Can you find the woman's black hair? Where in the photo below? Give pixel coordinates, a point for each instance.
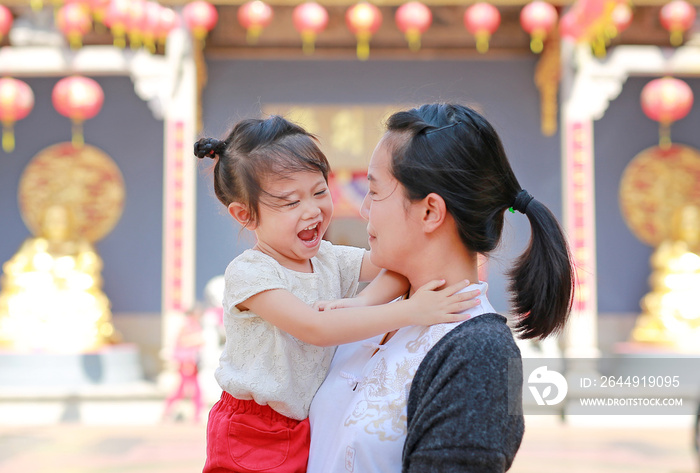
(453, 151)
(255, 149)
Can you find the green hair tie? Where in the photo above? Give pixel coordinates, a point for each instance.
(510, 209)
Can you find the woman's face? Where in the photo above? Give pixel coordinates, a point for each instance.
(388, 213)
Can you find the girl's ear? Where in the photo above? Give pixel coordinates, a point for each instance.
(240, 213)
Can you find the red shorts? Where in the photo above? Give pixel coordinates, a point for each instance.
(245, 437)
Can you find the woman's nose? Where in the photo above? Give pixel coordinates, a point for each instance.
(364, 209)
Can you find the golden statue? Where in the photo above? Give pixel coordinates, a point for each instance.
(51, 298)
(671, 314)
(660, 201)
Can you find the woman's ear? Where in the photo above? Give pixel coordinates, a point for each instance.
(434, 212)
(240, 213)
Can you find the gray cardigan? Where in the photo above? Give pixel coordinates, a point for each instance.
(465, 405)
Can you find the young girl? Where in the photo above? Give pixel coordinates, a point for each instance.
(273, 179)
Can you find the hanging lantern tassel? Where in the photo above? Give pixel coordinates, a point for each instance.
(413, 19)
(664, 135)
(119, 33)
(116, 18)
(363, 19)
(482, 41)
(363, 38)
(538, 18)
(309, 19)
(254, 16)
(200, 17)
(8, 137)
(200, 35)
(413, 38)
(77, 138)
(482, 20)
(308, 41)
(537, 41)
(135, 23)
(253, 33)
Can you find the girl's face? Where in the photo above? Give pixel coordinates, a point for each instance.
(388, 213)
(294, 215)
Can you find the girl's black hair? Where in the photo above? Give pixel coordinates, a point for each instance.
(453, 151)
(255, 149)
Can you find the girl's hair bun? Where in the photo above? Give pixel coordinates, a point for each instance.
(209, 148)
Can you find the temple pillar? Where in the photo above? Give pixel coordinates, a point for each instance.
(179, 190)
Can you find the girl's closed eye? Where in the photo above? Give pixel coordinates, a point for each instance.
(292, 204)
(321, 192)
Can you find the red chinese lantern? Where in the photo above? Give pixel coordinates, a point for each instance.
(99, 10)
(168, 21)
(363, 20)
(16, 101)
(200, 18)
(254, 17)
(666, 100)
(78, 98)
(309, 19)
(677, 16)
(136, 23)
(74, 21)
(151, 24)
(482, 20)
(413, 19)
(5, 21)
(116, 20)
(621, 18)
(538, 18)
(570, 27)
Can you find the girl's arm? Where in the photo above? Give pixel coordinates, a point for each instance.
(385, 286)
(428, 306)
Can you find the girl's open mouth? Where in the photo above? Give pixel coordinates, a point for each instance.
(309, 235)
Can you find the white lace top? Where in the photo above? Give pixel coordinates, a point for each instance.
(358, 417)
(262, 362)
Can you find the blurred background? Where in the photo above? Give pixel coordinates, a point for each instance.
(113, 244)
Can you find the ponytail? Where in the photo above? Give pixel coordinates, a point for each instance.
(542, 279)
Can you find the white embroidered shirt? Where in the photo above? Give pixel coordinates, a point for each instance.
(358, 416)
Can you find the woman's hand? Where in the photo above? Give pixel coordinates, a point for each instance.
(433, 303)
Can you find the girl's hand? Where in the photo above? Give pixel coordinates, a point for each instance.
(339, 304)
(434, 304)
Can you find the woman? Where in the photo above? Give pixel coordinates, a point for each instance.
(446, 397)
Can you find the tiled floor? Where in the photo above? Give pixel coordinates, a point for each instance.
(549, 446)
